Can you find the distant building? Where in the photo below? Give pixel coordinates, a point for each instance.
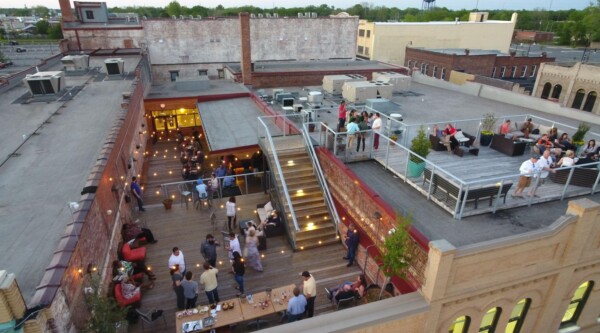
(387, 41)
(533, 36)
(576, 87)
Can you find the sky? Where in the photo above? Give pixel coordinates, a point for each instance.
(451, 4)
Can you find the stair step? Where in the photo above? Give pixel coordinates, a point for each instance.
(303, 206)
(305, 187)
(311, 245)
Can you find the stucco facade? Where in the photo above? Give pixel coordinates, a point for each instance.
(576, 87)
(386, 42)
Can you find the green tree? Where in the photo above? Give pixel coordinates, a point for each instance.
(42, 27)
(174, 8)
(106, 315)
(40, 11)
(55, 32)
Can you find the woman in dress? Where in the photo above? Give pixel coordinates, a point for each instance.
(230, 206)
(176, 277)
(252, 254)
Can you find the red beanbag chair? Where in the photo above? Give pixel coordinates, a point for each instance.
(132, 255)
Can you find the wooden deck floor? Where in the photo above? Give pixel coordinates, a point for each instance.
(187, 228)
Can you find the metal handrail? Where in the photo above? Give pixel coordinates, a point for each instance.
(317, 167)
(278, 167)
(165, 186)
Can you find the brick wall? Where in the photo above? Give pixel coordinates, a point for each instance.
(357, 203)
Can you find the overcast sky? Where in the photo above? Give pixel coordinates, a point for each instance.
(451, 4)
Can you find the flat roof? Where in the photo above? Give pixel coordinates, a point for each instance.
(230, 123)
(216, 87)
(315, 65)
(427, 104)
(47, 152)
(460, 51)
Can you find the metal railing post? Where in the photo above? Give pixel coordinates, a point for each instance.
(597, 180)
(562, 197)
(498, 196)
(387, 154)
(431, 177)
(463, 199)
(458, 202)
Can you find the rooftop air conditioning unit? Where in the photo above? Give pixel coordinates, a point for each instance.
(45, 83)
(300, 15)
(76, 62)
(252, 15)
(260, 15)
(114, 66)
(275, 15)
(268, 15)
(313, 15)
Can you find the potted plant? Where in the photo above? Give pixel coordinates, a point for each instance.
(168, 203)
(420, 145)
(579, 136)
(488, 123)
(396, 258)
(394, 137)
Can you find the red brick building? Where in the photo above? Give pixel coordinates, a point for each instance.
(533, 36)
(439, 63)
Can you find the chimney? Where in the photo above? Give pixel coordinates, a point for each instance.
(65, 10)
(467, 52)
(246, 54)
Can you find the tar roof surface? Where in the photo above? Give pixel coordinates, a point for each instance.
(49, 168)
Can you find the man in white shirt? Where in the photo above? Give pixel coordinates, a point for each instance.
(177, 258)
(234, 246)
(543, 169)
(309, 289)
(376, 129)
(527, 170)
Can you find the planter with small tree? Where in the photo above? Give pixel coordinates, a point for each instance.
(105, 314)
(420, 145)
(579, 136)
(396, 258)
(488, 123)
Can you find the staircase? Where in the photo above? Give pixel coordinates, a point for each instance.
(314, 220)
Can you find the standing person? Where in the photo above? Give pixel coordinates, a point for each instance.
(137, 192)
(376, 130)
(176, 277)
(527, 169)
(362, 136)
(177, 258)
(252, 255)
(209, 280)
(341, 116)
(190, 290)
(231, 215)
(239, 269)
(309, 289)
(234, 246)
(351, 131)
(352, 244)
(296, 306)
(208, 249)
(213, 185)
(543, 165)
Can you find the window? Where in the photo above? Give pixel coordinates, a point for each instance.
(546, 91)
(490, 320)
(221, 73)
(590, 101)
(524, 71)
(408, 64)
(203, 72)
(577, 303)
(174, 75)
(533, 70)
(443, 76)
(578, 100)
(368, 33)
(361, 33)
(366, 51)
(494, 71)
(502, 71)
(460, 325)
(360, 49)
(556, 92)
(517, 316)
(89, 14)
(434, 74)
(424, 69)
(513, 71)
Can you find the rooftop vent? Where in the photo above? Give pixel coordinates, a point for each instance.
(114, 66)
(45, 83)
(76, 62)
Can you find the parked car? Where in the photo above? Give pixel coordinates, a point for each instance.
(20, 49)
(14, 42)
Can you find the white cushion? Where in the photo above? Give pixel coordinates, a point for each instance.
(268, 207)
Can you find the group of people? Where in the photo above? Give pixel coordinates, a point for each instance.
(447, 136)
(357, 126)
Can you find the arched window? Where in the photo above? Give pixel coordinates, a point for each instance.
(556, 92)
(577, 304)
(490, 320)
(578, 100)
(460, 325)
(517, 316)
(546, 91)
(590, 101)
